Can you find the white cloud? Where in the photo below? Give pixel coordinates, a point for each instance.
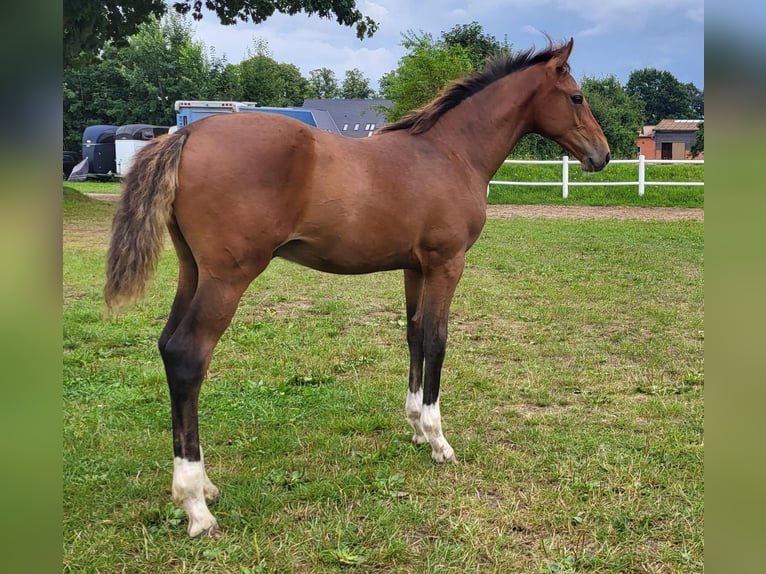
(531, 30)
(459, 14)
(373, 10)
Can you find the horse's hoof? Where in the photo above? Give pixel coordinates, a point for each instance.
(212, 531)
(444, 457)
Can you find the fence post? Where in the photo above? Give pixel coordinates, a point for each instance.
(565, 176)
(641, 173)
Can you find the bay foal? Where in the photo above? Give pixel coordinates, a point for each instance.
(236, 190)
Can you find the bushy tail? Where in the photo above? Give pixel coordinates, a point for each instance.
(139, 224)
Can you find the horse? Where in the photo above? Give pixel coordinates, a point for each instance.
(236, 190)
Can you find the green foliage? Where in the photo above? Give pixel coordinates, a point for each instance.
(90, 26)
(699, 140)
(345, 12)
(696, 102)
(269, 83)
(619, 114)
(478, 44)
(535, 146)
(430, 64)
(356, 85)
(323, 84)
(422, 73)
(139, 83)
(664, 97)
(161, 63)
(94, 94)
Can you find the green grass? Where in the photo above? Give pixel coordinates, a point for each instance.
(92, 186)
(654, 196)
(572, 393)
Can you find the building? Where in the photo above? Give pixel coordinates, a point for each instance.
(645, 142)
(669, 139)
(354, 118)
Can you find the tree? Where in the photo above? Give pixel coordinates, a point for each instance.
(269, 83)
(663, 95)
(138, 82)
(356, 86)
(323, 84)
(697, 101)
(89, 26)
(535, 146)
(293, 87)
(620, 115)
(699, 140)
(422, 73)
(478, 44)
(92, 94)
(162, 64)
(430, 64)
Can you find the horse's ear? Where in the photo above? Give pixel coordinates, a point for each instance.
(559, 61)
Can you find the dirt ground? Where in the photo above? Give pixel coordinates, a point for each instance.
(589, 212)
(566, 211)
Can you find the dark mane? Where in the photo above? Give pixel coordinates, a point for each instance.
(495, 67)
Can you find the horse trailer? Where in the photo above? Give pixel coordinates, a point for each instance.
(98, 148)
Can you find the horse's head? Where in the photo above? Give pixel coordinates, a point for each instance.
(563, 115)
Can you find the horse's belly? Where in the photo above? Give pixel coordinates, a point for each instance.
(345, 259)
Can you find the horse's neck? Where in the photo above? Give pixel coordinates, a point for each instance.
(486, 127)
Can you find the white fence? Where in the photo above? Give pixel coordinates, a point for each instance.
(565, 184)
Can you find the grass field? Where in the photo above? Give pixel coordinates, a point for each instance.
(572, 393)
(664, 196)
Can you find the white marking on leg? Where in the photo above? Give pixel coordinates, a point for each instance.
(189, 493)
(431, 421)
(211, 490)
(413, 407)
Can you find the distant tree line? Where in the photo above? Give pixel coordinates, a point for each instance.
(139, 79)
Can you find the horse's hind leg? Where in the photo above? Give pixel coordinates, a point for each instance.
(188, 275)
(413, 289)
(186, 354)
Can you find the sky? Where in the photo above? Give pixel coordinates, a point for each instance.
(611, 37)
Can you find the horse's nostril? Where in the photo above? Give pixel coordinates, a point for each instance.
(608, 157)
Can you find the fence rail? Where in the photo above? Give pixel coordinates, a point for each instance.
(565, 184)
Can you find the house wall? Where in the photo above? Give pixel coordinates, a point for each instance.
(675, 138)
(646, 147)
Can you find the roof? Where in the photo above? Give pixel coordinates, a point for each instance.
(355, 118)
(647, 132)
(324, 121)
(318, 118)
(677, 125)
(100, 133)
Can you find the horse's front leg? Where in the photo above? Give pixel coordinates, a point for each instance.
(438, 290)
(413, 290)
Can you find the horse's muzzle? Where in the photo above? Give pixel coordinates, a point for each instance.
(596, 164)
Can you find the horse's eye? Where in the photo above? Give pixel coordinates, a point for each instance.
(577, 99)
